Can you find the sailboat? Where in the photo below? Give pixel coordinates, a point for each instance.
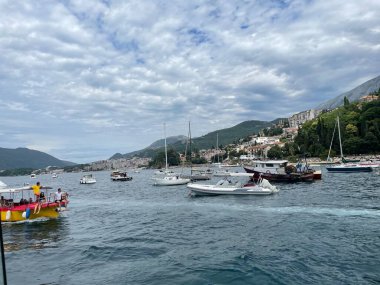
(344, 166)
(195, 175)
(169, 179)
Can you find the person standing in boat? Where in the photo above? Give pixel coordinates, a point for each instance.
(58, 198)
(39, 197)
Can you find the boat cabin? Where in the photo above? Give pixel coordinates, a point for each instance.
(270, 166)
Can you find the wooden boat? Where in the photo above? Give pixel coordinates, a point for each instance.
(120, 176)
(16, 204)
(280, 171)
(285, 177)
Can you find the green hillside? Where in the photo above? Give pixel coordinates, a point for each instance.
(360, 130)
(28, 158)
(225, 137)
(229, 135)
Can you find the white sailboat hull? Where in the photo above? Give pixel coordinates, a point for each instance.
(170, 181)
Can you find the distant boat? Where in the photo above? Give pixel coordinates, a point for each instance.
(345, 167)
(120, 176)
(33, 175)
(54, 175)
(195, 174)
(87, 179)
(2, 184)
(172, 179)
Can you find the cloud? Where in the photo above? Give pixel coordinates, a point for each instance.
(102, 77)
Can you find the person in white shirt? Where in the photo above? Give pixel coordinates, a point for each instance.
(58, 197)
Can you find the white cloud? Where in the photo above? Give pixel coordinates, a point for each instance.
(79, 72)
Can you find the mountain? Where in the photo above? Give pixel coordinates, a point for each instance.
(28, 158)
(151, 150)
(353, 95)
(169, 140)
(225, 136)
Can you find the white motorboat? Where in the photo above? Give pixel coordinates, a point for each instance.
(33, 175)
(54, 175)
(2, 184)
(87, 179)
(227, 187)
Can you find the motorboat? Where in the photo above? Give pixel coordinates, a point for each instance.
(2, 184)
(120, 176)
(87, 179)
(33, 175)
(170, 180)
(228, 187)
(54, 175)
(17, 204)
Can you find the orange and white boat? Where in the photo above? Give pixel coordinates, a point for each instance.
(17, 204)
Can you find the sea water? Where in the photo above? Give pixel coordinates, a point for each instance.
(325, 232)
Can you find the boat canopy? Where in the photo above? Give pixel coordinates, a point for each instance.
(277, 162)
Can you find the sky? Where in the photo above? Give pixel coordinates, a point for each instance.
(82, 80)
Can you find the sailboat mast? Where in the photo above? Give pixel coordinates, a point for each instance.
(340, 139)
(217, 146)
(191, 165)
(328, 156)
(166, 150)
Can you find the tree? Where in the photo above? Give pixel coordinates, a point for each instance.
(351, 130)
(275, 153)
(353, 145)
(346, 102)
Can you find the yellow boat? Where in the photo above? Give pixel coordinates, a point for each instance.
(19, 205)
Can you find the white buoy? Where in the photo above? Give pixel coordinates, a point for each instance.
(8, 215)
(24, 215)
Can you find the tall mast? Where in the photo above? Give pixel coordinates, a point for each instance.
(217, 146)
(328, 156)
(166, 150)
(340, 139)
(191, 165)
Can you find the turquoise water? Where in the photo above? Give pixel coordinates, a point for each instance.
(326, 232)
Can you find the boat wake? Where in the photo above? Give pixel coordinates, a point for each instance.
(325, 211)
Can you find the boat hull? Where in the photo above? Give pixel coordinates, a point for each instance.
(347, 169)
(121, 178)
(49, 210)
(274, 177)
(203, 190)
(169, 181)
